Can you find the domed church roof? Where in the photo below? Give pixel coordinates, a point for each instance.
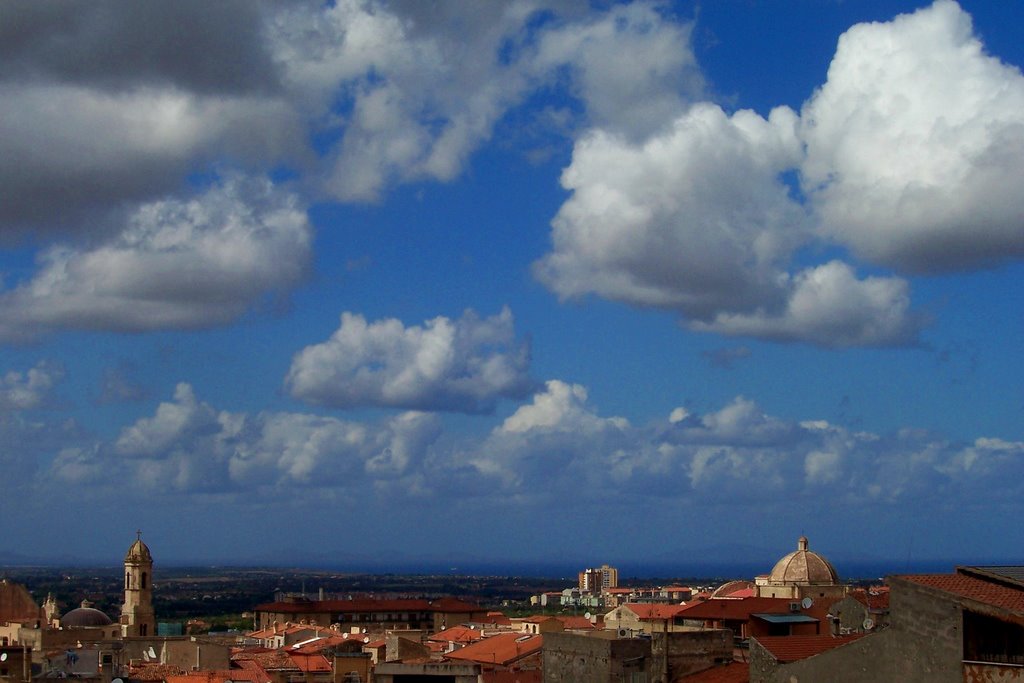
(803, 566)
(138, 552)
(85, 616)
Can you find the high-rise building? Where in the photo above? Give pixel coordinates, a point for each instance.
(598, 579)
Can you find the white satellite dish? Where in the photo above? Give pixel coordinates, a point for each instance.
(869, 624)
(806, 603)
(152, 653)
(586, 615)
(3, 657)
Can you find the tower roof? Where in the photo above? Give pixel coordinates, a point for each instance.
(138, 552)
(803, 566)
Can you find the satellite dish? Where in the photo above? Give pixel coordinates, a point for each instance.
(117, 680)
(366, 639)
(806, 603)
(869, 624)
(364, 630)
(152, 653)
(587, 615)
(3, 658)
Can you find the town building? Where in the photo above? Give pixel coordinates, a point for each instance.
(371, 614)
(801, 574)
(964, 626)
(607, 656)
(595, 580)
(137, 618)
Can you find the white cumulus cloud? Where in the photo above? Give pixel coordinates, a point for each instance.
(30, 389)
(915, 145)
(464, 365)
(175, 263)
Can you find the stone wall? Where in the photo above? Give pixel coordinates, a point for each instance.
(594, 658)
(444, 672)
(681, 653)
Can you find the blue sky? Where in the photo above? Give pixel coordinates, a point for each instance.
(514, 281)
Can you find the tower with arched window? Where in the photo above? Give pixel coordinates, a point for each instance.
(137, 618)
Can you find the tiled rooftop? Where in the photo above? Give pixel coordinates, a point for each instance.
(733, 672)
(795, 648)
(971, 588)
(502, 649)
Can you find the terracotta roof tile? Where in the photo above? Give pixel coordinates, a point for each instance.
(576, 623)
(735, 608)
(503, 649)
(971, 588)
(794, 648)
(269, 660)
(146, 671)
(219, 676)
(874, 599)
(652, 611)
(733, 672)
(309, 663)
(457, 634)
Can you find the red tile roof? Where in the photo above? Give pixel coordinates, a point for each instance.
(576, 623)
(320, 644)
(652, 611)
(254, 672)
(733, 672)
(971, 588)
(794, 648)
(219, 676)
(875, 599)
(733, 608)
(502, 649)
(273, 659)
(145, 671)
(457, 634)
(310, 663)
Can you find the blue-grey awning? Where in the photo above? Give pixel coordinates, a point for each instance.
(786, 618)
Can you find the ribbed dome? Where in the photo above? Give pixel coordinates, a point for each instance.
(84, 617)
(803, 566)
(139, 552)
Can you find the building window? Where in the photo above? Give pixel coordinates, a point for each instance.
(143, 580)
(127, 581)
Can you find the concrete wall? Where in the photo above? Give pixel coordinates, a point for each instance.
(400, 647)
(594, 658)
(678, 654)
(395, 672)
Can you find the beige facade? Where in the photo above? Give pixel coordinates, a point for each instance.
(137, 618)
(801, 574)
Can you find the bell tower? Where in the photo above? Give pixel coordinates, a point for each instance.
(137, 618)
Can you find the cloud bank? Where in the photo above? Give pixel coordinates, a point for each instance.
(736, 455)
